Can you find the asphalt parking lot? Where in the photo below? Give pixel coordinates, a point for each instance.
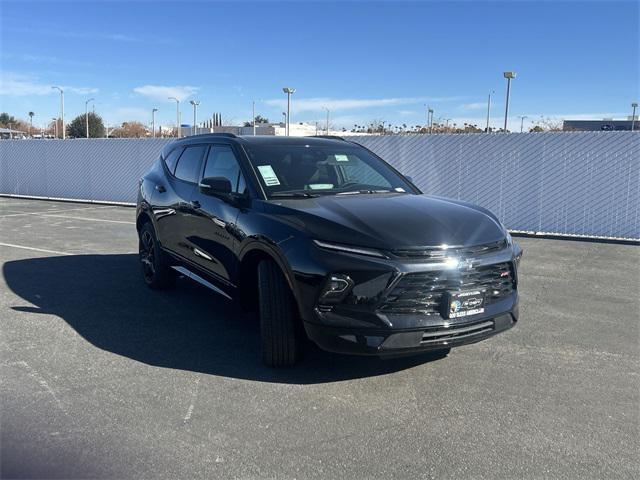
(101, 377)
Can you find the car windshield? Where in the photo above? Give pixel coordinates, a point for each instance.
(311, 170)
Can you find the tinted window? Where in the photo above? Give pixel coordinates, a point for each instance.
(172, 159)
(324, 170)
(222, 162)
(189, 164)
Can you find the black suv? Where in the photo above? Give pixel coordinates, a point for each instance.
(326, 241)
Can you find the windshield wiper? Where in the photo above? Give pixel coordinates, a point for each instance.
(364, 192)
(293, 194)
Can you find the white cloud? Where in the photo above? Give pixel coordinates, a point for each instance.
(163, 92)
(474, 106)
(15, 84)
(337, 104)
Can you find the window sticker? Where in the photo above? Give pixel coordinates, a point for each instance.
(268, 175)
(400, 189)
(320, 186)
(341, 158)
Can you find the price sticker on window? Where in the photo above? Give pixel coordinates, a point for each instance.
(268, 175)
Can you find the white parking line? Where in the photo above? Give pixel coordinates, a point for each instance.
(88, 219)
(34, 249)
(52, 211)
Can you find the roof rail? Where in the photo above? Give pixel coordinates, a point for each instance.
(330, 137)
(224, 134)
(221, 134)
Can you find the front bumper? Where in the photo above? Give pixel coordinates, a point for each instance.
(365, 341)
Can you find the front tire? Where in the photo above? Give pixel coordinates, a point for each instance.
(280, 339)
(156, 271)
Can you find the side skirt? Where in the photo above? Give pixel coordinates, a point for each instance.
(189, 274)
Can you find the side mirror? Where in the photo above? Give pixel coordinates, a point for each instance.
(215, 186)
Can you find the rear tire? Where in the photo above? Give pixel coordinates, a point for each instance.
(280, 338)
(156, 271)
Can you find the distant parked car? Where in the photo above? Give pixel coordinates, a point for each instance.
(326, 241)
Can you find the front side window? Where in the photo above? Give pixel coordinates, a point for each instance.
(222, 162)
(322, 170)
(189, 163)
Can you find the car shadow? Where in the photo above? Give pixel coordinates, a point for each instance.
(103, 298)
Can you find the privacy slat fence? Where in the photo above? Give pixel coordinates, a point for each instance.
(573, 183)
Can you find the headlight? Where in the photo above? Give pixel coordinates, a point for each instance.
(348, 249)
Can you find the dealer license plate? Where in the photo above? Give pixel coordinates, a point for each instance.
(465, 304)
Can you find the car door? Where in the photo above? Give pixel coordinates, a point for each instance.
(215, 235)
(174, 213)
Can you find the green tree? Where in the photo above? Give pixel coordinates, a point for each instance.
(78, 126)
(6, 119)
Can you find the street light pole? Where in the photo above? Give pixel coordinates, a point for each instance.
(508, 76)
(253, 118)
(489, 109)
(430, 121)
(153, 122)
(633, 115)
(61, 109)
(289, 91)
(522, 117)
(195, 104)
(86, 114)
(327, 124)
(177, 115)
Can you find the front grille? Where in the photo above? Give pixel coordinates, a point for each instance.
(448, 334)
(439, 253)
(424, 292)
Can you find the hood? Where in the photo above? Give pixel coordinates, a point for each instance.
(390, 221)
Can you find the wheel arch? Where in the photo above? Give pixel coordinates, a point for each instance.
(250, 258)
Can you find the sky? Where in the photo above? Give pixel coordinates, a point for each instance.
(363, 60)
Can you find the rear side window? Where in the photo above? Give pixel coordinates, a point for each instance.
(171, 159)
(189, 164)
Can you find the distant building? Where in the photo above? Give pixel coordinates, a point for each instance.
(598, 125)
(277, 129)
(8, 133)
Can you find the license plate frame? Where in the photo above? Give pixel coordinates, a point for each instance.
(466, 303)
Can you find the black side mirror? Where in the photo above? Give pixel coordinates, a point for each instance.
(215, 186)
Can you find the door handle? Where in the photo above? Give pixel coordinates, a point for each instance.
(160, 189)
(195, 204)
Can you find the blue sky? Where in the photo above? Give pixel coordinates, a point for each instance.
(363, 60)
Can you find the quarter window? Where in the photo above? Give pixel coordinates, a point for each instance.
(171, 159)
(189, 163)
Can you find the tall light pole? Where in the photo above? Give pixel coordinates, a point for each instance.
(253, 118)
(61, 108)
(55, 126)
(31, 114)
(633, 115)
(153, 122)
(522, 117)
(430, 120)
(86, 114)
(177, 115)
(284, 114)
(508, 76)
(195, 104)
(327, 124)
(289, 91)
(489, 109)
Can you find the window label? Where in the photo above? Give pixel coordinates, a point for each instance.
(268, 175)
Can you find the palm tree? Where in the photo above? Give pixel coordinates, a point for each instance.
(31, 114)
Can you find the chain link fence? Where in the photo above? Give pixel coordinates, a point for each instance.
(570, 183)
